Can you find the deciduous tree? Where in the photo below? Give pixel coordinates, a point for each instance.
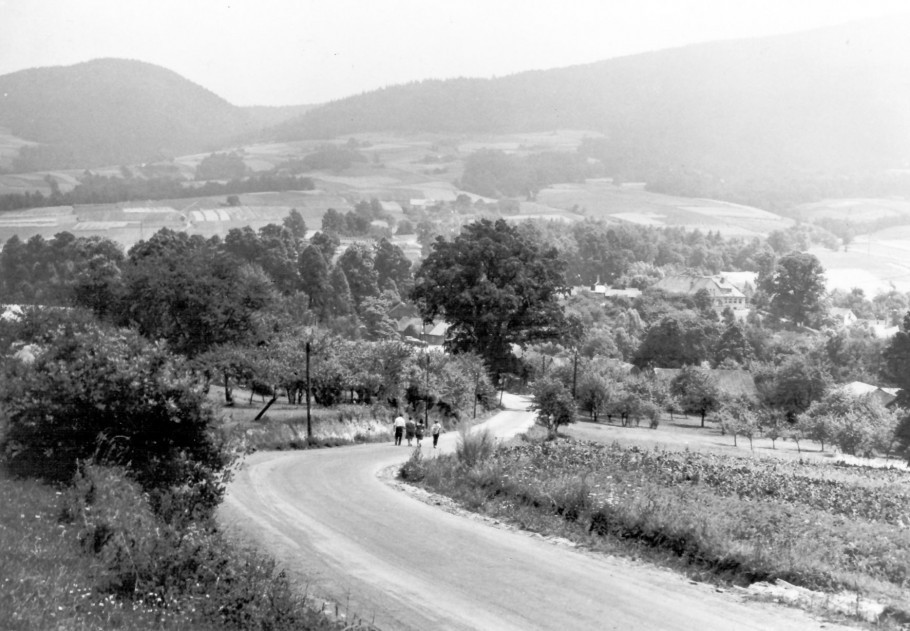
(796, 288)
(696, 391)
(494, 287)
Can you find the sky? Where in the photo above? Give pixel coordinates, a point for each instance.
(292, 52)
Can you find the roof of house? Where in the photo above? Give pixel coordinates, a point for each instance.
(743, 281)
(439, 329)
(390, 206)
(691, 283)
(859, 389)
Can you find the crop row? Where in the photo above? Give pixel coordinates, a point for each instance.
(865, 493)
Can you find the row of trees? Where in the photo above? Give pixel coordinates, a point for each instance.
(112, 189)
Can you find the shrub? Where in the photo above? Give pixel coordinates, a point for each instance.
(414, 470)
(474, 446)
(193, 570)
(93, 390)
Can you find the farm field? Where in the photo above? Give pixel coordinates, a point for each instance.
(687, 498)
(857, 210)
(874, 262)
(601, 199)
(684, 433)
(404, 168)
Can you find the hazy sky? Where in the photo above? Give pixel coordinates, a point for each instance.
(285, 52)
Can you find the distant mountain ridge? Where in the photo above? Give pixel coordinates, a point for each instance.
(830, 99)
(112, 111)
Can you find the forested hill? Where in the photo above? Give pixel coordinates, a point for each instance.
(112, 111)
(836, 98)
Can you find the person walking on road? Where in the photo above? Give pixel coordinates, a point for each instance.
(409, 430)
(419, 432)
(436, 430)
(399, 428)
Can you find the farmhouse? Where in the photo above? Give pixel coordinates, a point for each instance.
(433, 334)
(723, 293)
(885, 396)
(842, 318)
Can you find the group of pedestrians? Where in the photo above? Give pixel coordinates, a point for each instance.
(412, 430)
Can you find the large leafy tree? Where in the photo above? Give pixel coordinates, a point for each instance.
(796, 288)
(392, 267)
(92, 390)
(314, 279)
(553, 403)
(677, 340)
(794, 385)
(187, 291)
(359, 268)
(696, 390)
(897, 361)
(494, 287)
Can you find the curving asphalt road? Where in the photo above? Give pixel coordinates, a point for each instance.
(405, 564)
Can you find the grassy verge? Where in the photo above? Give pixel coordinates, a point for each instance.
(723, 518)
(285, 426)
(95, 557)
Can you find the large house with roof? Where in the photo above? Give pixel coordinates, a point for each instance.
(723, 293)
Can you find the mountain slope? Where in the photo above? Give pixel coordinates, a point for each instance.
(111, 111)
(835, 99)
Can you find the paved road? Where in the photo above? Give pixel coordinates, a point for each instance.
(388, 557)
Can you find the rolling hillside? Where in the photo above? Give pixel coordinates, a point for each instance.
(109, 112)
(835, 99)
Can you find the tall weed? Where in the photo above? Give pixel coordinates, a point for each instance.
(475, 445)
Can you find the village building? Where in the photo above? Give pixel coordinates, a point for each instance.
(605, 291)
(885, 396)
(723, 293)
(841, 317)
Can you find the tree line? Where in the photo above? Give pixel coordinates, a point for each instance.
(110, 189)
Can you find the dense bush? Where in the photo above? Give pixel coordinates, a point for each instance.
(192, 573)
(91, 390)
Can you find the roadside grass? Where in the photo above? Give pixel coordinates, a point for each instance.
(284, 426)
(721, 518)
(94, 556)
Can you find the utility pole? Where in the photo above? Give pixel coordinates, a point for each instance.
(426, 403)
(574, 372)
(309, 425)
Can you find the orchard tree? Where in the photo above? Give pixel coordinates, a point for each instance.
(696, 391)
(494, 287)
(553, 403)
(858, 425)
(796, 288)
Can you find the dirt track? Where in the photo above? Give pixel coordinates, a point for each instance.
(406, 564)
